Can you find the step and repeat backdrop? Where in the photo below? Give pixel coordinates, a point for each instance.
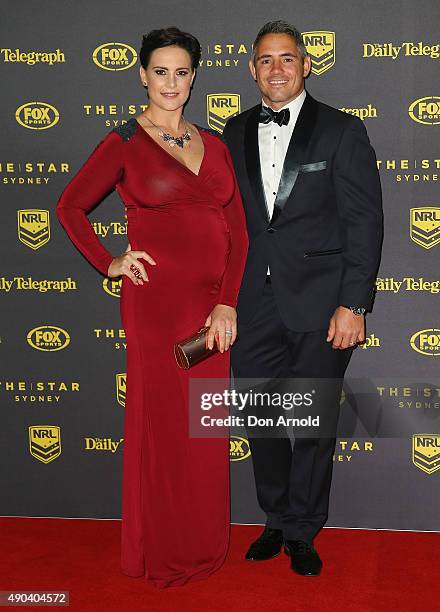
(70, 73)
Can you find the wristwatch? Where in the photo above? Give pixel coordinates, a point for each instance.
(357, 310)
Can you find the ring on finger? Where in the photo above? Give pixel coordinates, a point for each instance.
(135, 271)
(228, 332)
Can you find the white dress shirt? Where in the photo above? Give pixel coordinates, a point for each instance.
(273, 142)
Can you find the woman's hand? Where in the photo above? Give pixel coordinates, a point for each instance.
(122, 263)
(222, 319)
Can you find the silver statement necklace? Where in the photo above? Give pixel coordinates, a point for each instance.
(180, 141)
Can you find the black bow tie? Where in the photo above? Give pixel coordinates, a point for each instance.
(280, 117)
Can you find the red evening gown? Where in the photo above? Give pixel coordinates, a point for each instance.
(175, 494)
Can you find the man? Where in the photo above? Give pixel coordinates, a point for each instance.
(310, 186)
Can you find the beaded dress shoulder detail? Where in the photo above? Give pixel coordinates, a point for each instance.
(126, 130)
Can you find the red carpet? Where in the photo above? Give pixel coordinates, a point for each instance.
(364, 571)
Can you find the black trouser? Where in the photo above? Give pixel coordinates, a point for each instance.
(293, 484)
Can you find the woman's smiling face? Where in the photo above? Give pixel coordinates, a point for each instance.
(169, 76)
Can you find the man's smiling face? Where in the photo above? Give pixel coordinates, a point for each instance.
(279, 69)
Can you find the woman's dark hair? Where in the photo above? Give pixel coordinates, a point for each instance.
(165, 37)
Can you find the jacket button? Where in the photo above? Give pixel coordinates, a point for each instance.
(271, 230)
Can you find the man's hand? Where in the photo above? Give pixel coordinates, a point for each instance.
(221, 320)
(346, 329)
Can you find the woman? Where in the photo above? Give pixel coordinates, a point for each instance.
(183, 269)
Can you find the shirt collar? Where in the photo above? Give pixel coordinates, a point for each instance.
(294, 105)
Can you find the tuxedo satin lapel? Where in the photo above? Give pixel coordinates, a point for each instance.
(253, 167)
(295, 154)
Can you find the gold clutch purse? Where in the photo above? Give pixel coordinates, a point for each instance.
(194, 349)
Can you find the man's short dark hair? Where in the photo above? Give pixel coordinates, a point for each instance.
(280, 27)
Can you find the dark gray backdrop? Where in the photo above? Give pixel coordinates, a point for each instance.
(377, 481)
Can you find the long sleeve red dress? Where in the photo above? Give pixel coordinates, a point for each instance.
(175, 493)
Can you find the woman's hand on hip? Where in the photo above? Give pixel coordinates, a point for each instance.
(123, 265)
(222, 324)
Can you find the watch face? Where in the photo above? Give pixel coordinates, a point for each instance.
(357, 310)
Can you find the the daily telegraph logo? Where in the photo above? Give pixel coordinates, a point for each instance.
(114, 56)
(407, 283)
(114, 228)
(45, 442)
(37, 115)
(425, 110)
(121, 386)
(33, 227)
(406, 49)
(30, 58)
(220, 107)
(21, 283)
(102, 444)
(238, 448)
(112, 286)
(48, 338)
(321, 46)
(371, 341)
(426, 452)
(365, 112)
(425, 226)
(426, 342)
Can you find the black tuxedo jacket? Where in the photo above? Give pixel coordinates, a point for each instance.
(323, 242)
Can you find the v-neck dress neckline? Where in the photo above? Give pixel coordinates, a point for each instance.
(172, 156)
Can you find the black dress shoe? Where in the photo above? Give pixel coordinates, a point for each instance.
(267, 546)
(304, 559)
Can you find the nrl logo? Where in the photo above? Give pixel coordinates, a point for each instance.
(426, 452)
(425, 226)
(220, 108)
(121, 383)
(33, 227)
(45, 442)
(320, 46)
